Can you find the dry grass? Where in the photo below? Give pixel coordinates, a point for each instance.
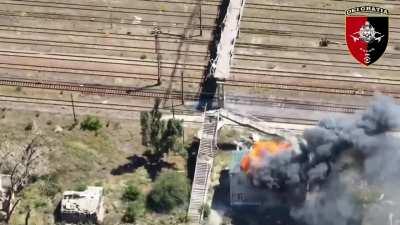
(77, 159)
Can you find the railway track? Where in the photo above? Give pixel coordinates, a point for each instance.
(294, 104)
(125, 91)
(249, 5)
(171, 40)
(188, 66)
(248, 31)
(190, 96)
(243, 57)
(131, 108)
(164, 41)
(210, 17)
(93, 89)
(77, 104)
(249, 84)
(194, 79)
(233, 82)
(239, 57)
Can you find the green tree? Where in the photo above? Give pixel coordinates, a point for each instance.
(145, 127)
(170, 190)
(171, 136)
(161, 136)
(157, 127)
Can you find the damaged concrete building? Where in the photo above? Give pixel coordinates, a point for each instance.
(5, 185)
(246, 187)
(242, 192)
(83, 207)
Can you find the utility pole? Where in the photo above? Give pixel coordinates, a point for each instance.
(182, 97)
(156, 31)
(73, 108)
(173, 108)
(200, 17)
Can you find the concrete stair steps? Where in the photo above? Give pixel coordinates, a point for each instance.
(203, 168)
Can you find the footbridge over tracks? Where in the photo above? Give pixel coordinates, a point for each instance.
(221, 52)
(220, 67)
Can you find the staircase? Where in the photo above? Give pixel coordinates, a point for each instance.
(204, 163)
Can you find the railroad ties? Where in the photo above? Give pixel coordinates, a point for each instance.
(92, 89)
(204, 163)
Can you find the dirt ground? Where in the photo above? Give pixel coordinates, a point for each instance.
(77, 158)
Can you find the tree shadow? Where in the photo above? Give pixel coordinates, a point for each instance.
(152, 163)
(192, 151)
(155, 164)
(135, 162)
(226, 146)
(182, 50)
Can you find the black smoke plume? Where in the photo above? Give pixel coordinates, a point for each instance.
(349, 168)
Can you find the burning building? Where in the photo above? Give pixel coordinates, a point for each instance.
(346, 172)
(246, 186)
(242, 192)
(259, 157)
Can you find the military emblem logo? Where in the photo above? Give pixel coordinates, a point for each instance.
(367, 36)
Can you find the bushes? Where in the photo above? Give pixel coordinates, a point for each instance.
(131, 193)
(80, 186)
(29, 126)
(136, 204)
(170, 190)
(49, 185)
(134, 210)
(91, 123)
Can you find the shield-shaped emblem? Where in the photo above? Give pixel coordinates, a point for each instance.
(367, 37)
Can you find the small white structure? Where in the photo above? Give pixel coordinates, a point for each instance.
(5, 185)
(83, 207)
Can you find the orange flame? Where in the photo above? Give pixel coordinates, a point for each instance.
(262, 149)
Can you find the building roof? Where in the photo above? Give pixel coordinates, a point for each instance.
(5, 181)
(86, 202)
